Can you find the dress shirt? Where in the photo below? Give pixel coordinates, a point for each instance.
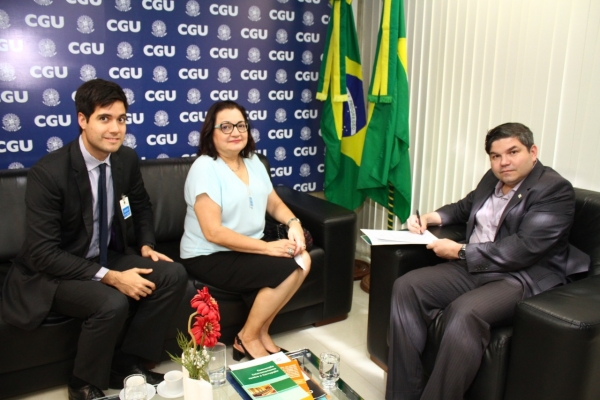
(92, 165)
(488, 216)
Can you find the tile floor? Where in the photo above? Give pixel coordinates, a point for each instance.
(348, 337)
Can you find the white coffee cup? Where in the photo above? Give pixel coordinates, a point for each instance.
(174, 382)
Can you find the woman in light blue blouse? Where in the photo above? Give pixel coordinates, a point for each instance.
(227, 191)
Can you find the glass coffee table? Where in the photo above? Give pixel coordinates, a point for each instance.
(309, 363)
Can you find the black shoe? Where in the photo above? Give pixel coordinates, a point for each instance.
(280, 349)
(117, 377)
(238, 354)
(87, 392)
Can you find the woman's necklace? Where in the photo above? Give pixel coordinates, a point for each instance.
(238, 165)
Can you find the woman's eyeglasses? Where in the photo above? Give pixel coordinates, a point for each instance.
(227, 127)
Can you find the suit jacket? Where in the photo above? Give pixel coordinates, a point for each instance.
(59, 229)
(531, 241)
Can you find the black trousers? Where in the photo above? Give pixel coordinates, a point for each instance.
(104, 311)
(472, 304)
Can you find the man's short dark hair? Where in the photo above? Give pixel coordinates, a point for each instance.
(509, 130)
(97, 93)
(207, 144)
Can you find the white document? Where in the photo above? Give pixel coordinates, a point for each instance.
(385, 237)
(300, 261)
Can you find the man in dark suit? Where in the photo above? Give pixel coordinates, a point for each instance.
(81, 201)
(518, 221)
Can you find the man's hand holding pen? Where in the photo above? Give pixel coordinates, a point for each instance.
(417, 223)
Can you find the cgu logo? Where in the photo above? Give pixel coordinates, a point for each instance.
(307, 76)
(281, 133)
(11, 44)
(163, 138)
(325, 19)
(188, 155)
(161, 95)
(9, 96)
(255, 115)
(281, 55)
(159, 51)
(308, 37)
(306, 114)
(86, 48)
(124, 26)
(193, 30)
(305, 151)
(159, 5)
(192, 116)
(281, 15)
(321, 168)
(193, 73)
(281, 95)
(224, 53)
(86, 2)
(216, 9)
(135, 118)
(14, 146)
(125, 72)
(254, 75)
(45, 21)
(52, 120)
(255, 33)
(281, 171)
(306, 187)
(48, 72)
(224, 95)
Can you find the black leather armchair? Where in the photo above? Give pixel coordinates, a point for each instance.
(552, 350)
(42, 358)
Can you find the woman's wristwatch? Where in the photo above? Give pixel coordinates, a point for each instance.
(292, 220)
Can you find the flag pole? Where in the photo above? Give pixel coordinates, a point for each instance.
(390, 207)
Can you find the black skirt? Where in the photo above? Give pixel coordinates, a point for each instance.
(243, 273)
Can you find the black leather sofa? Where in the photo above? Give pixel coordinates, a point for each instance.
(42, 358)
(552, 350)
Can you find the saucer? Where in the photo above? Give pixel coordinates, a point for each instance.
(150, 392)
(162, 390)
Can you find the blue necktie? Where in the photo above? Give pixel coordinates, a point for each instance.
(103, 216)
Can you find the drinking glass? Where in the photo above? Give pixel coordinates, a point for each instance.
(135, 387)
(329, 368)
(217, 364)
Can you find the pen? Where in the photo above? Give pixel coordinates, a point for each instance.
(419, 218)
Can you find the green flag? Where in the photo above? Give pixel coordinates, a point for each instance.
(343, 122)
(385, 168)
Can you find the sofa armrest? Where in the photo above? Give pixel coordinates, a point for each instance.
(555, 351)
(333, 229)
(387, 264)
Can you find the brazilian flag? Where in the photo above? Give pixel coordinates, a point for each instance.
(343, 122)
(385, 169)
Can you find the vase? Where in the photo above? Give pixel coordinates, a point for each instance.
(196, 389)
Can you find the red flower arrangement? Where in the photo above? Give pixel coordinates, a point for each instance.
(205, 332)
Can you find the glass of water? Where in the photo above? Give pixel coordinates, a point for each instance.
(217, 364)
(329, 368)
(135, 387)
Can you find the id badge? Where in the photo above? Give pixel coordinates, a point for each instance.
(125, 209)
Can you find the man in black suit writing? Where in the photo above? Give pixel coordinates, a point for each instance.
(81, 200)
(518, 221)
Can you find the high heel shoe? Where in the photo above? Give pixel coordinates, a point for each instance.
(237, 354)
(280, 349)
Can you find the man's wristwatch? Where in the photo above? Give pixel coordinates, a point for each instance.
(462, 253)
